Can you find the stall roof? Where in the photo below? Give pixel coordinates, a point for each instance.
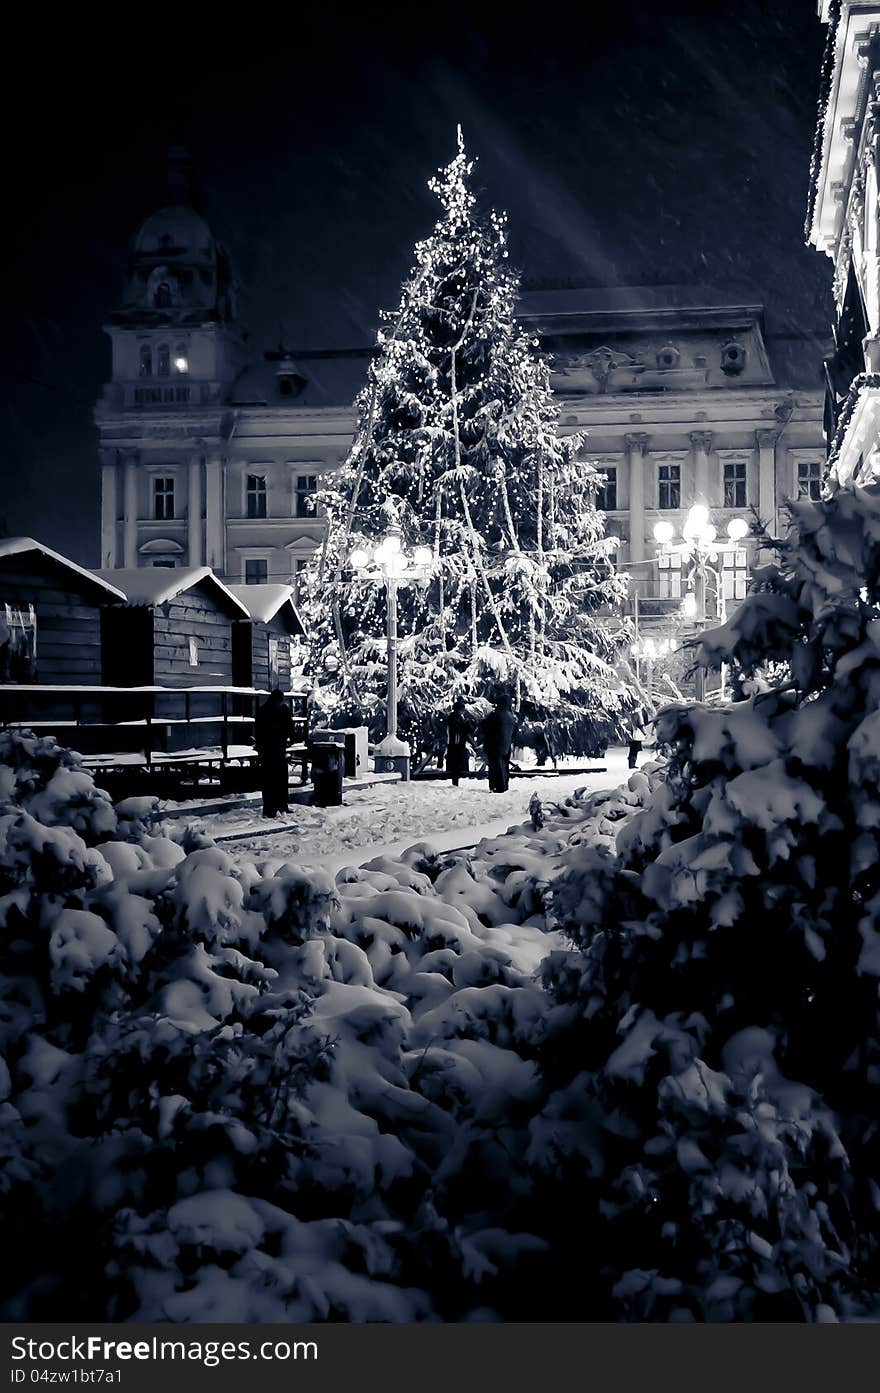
(263, 602)
(155, 585)
(26, 546)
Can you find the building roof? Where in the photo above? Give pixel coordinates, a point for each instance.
(621, 299)
(25, 546)
(332, 378)
(263, 602)
(156, 585)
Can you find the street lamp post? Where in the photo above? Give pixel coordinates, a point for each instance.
(700, 543)
(388, 563)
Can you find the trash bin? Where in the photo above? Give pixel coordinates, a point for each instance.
(328, 768)
(355, 738)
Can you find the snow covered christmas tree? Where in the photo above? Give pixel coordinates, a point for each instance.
(458, 448)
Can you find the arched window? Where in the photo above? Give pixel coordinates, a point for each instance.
(146, 362)
(162, 297)
(163, 356)
(181, 358)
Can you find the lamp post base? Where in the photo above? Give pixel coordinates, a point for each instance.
(392, 756)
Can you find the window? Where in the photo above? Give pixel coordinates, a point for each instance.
(735, 485)
(181, 358)
(298, 567)
(669, 486)
(163, 498)
(256, 495)
(162, 297)
(146, 361)
(165, 562)
(669, 566)
(606, 499)
(306, 488)
(163, 355)
(256, 571)
(736, 574)
(193, 652)
(809, 477)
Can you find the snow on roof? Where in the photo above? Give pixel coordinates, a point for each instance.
(23, 546)
(155, 585)
(263, 602)
(621, 299)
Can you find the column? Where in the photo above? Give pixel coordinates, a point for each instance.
(766, 442)
(637, 448)
(109, 507)
(194, 511)
(701, 444)
(130, 511)
(214, 521)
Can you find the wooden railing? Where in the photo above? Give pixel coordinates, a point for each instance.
(156, 725)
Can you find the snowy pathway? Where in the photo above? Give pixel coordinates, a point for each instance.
(387, 818)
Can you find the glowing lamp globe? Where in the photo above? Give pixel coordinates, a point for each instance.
(422, 556)
(689, 605)
(663, 532)
(181, 365)
(708, 534)
(737, 528)
(391, 542)
(359, 558)
(695, 523)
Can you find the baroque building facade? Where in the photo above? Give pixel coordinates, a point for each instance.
(843, 220)
(212, 455)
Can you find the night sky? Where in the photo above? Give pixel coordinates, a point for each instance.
(638, 144)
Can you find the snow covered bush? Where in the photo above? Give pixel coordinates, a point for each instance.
(247, 1092)
(712, 1047)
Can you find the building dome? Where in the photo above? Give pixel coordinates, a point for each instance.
(179, 233)
(177, 272)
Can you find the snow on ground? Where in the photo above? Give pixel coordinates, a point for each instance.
(388, 817)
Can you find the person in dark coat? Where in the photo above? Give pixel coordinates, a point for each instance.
(458, 726)
(497, 732)
(636, 741)
(273, 731)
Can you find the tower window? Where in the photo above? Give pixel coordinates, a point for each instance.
(306, 488)
(735, 485)
(163, 360)
(256, 495)
(809, 477)
(669, 486)
(163, 498)
(146, 361)
(181, 358)
(607, 496)
(256, 570)
(162, 297)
